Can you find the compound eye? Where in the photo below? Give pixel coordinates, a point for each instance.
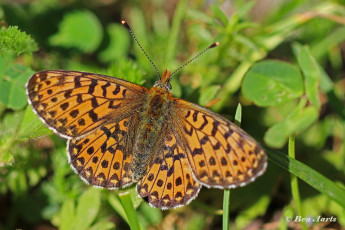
(169, 86)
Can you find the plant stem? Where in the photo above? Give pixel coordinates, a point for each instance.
(294, 183)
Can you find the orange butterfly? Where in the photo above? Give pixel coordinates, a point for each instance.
(120, 133)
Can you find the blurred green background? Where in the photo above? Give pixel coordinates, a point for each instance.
(282, 60)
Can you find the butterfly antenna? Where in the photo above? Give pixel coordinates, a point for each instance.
(125, 24)
(210, 47)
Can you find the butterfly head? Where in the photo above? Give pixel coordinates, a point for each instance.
(164, 81)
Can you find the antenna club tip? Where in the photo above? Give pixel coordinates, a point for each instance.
(123, 22)
(214, 45)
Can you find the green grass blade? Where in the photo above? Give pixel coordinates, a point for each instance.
(131, 213)
(294, 183)
(308, 175)
(226, 209)
(226, 197)
(115, 203)
(174, 32)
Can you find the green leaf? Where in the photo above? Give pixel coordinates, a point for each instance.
(79, 29)
(67, 215)
(270, 83)
(103, 224)
(153, 215)
(115, 203)
(311, 74)
(17, 182)
(220, 15)
(12, 85)
(31, 126)
(14, 41)
(119, 43)
(208, 94)
(87, 208)
(127, 70)
(6, 158)
(299, 119)
(327, 42)
(8, 128)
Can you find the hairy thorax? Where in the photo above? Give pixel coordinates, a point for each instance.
(153, 115)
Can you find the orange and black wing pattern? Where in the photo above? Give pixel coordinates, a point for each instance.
(169, 181)
(104, 157)
(221, 154)
(75, 103)
(98, 114)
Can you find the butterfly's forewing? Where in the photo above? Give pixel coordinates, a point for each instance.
(169, 180)
(74, 103)
(220, 154)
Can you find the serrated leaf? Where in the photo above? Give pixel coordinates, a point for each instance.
(79, 29)
(14, 41)
(87, 208)
(311, 74)
(270, 83)
(299, 119)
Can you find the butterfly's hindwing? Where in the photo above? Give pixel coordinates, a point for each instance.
(169, 181)
(104, 157)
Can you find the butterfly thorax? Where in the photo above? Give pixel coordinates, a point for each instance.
(154, 114)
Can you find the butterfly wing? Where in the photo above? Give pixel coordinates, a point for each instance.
(74, 103)
(104, 157)
(169, 180)
(98, 114)
(220, 154)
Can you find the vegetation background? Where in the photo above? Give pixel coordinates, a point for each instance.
(282, 60)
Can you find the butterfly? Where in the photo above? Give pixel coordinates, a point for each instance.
(119, 133)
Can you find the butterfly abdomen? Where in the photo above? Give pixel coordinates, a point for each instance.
(153, 116)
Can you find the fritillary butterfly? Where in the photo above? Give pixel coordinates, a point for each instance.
(120, 133)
